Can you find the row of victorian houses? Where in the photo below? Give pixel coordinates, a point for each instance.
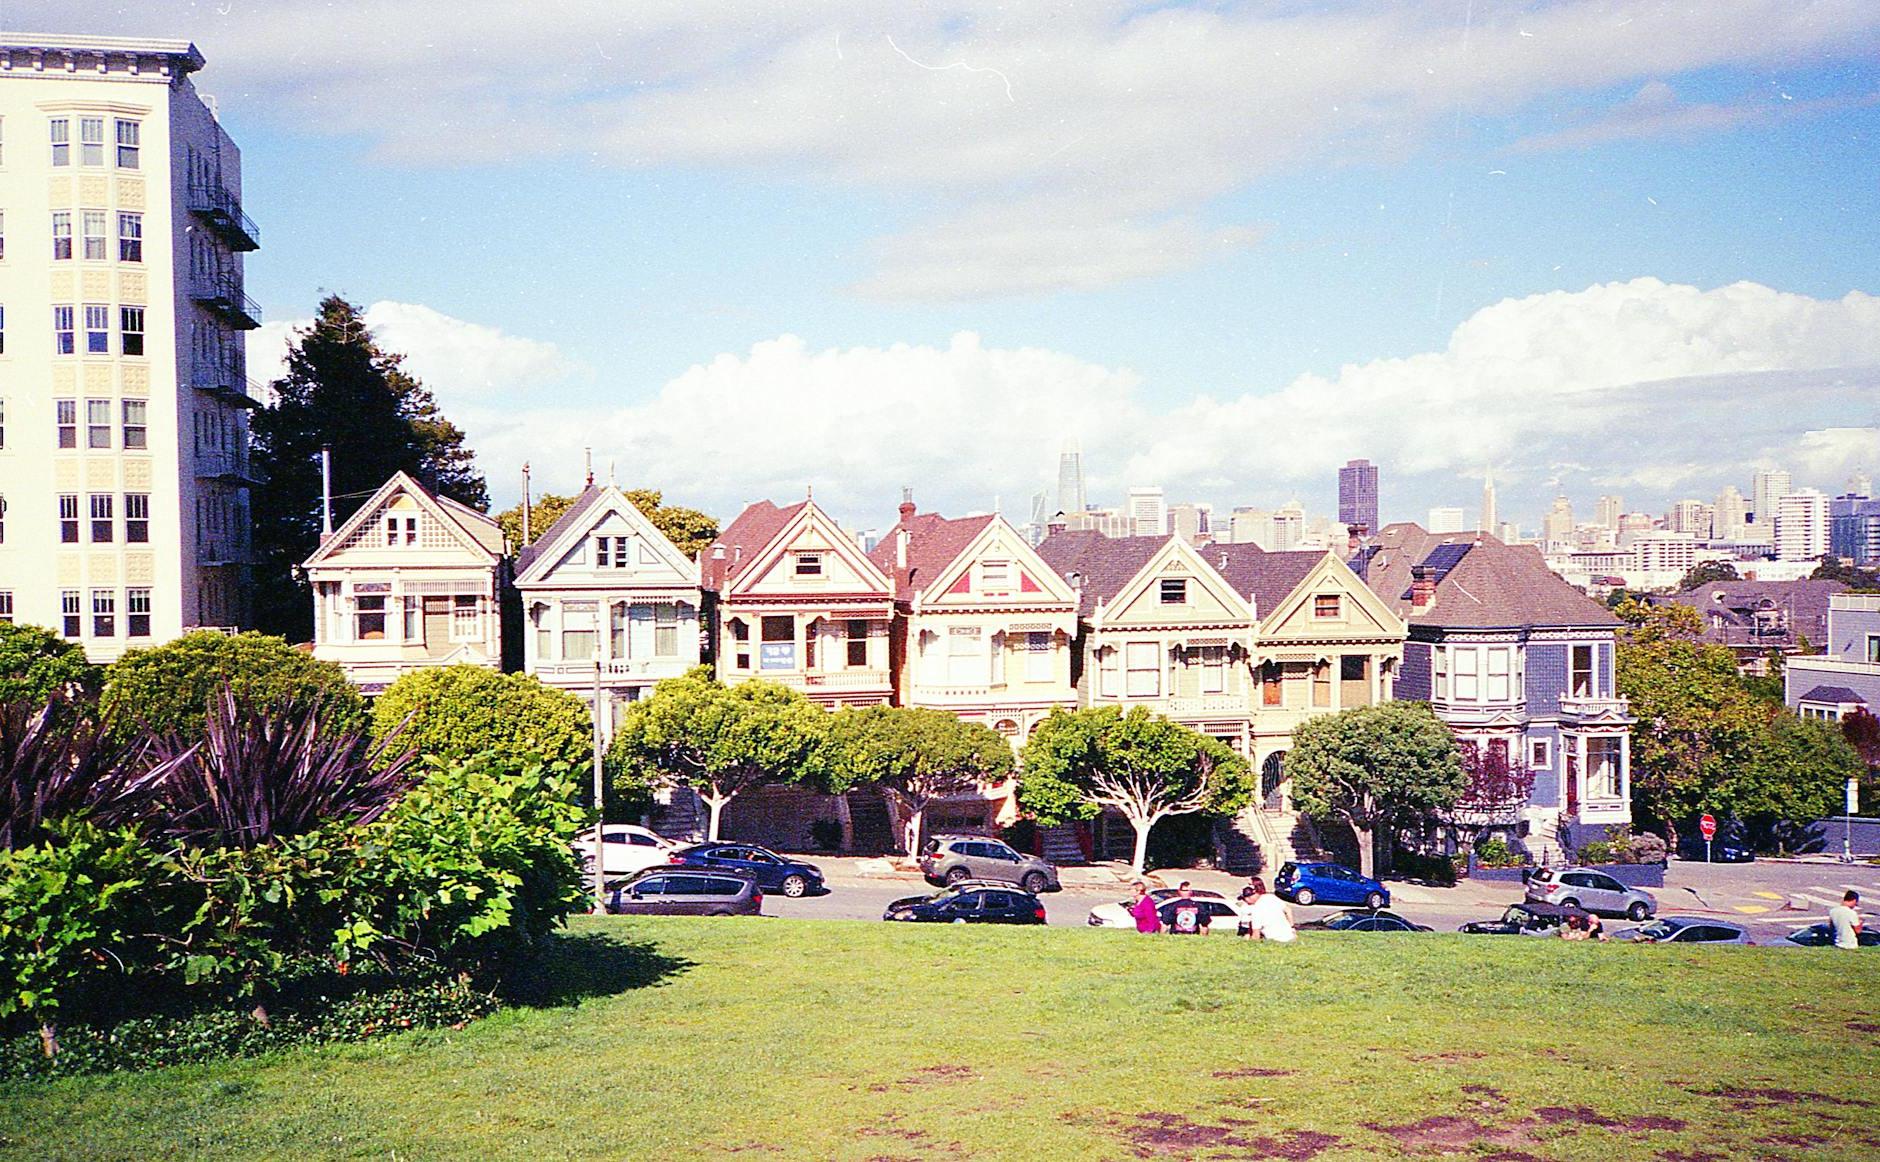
(966, 615)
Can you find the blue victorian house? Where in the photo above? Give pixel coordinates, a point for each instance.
(1520, 664)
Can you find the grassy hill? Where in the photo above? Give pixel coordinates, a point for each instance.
(840, 1040)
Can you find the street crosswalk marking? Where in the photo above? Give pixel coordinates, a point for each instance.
(1751, 909)
(1767, 895)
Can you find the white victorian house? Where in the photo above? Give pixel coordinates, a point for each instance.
(409, 580)
(606, 597)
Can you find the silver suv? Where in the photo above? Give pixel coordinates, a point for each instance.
(949, 859)
(1594, 891)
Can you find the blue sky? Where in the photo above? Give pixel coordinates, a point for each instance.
(1225, 247)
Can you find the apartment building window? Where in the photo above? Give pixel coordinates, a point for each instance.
(1322, 684)
(1325, 605)
(995, 575)
(3, 520)
(6, 606)
(68, 518)
(1582, 675)
(1174, 591)
(131, 330)
(465, 618)
(369, 617)
(93, 223)
(776, 649)
(809, 565)
(129, 144)
(1873, 649)
(1602, 768)
(61, 235)
(1037, 657)
(1468, 681)
(66, 412)
(1142, 665)
(401, 529)
(130, 237)
(741, 643)
(1440, 672)
(61, 141)
(97, 329)
(577, 630)
(137, 613)
(71, 613)
(63, 331)
(103, 613)
(136, 424)
(544, 631)
(1272, 685)
(666, 630)
(103, 527)
(137, 517)
(91, 141)
(97, 423)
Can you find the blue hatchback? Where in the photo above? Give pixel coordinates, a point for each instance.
(1329, 883)
(778, 873)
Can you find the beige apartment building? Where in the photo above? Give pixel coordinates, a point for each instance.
(123, 401)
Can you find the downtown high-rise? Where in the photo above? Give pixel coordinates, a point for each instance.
(1357, 494)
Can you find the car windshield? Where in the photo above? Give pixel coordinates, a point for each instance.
(1657, 930)
(1347, 919)
(1519, 915)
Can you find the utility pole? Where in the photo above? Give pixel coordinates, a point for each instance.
(525, 504)
(326, 491)
(600, 792)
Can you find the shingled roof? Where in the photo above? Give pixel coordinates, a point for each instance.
(1730, 610)
(933, 543)
(1488, 584)
(575, 513)
(743, 540)
(1265, 577)
(1104, 564)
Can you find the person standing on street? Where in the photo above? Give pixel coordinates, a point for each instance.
(1845, 920)
(1142, 910)
(1268, 916)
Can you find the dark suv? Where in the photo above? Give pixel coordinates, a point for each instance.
(779, 873)
(949, 859)
(970, 902)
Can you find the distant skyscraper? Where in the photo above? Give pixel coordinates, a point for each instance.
(1289, 526)
(1040, 517)
(1728, 521)
(1357, 494)
(1767, 488)
(1861, 485)
(1557, 525)
(1607, 511)
(1448, 519)
(1191, 522)
(1487, 523)
(1690, 516)
(1251, 526)
(1071, 481)
(1801, 525)
(1148, 510)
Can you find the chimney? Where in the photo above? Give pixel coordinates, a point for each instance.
(1354, 543)
(907, 506)
(1422, 586)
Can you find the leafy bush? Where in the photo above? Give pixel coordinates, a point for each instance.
(37, 665)
(167, 689)
(58, 760)
(1497, 853)
(454, 712)
(1647, 848)
(1434, 869)
(1595, 851)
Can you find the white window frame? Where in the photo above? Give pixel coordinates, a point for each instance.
(1540, 754)
(809, 565)
(1498, 682)
(466, 618)
(1213, 669)
(1465, 674)
(1439, 673)
(995, 576)
(91, 142)
(1178, 586)
(1142, 658)
(1038, 659)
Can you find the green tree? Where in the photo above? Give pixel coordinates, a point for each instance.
(168, 688)
(719, 740)
(341, 390)
(1140, 764)
(1706, 572)
(544, 511)
(36, 664)
(1374, 767)
(1794, 771)
(914, 755)
(1833, 568)
(688, 529)
(455, 713)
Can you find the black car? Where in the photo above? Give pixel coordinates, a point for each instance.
(1822, 936)
(970, 902)
(1722, 850)
(1363, 920)
(774, 872)
(684, 891)
(1530, 919)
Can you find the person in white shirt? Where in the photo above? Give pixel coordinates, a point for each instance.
(1267, 916)
(1845, 920)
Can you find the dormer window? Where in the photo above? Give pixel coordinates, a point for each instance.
(610, 552)
(1325, 605)
(401, 530)
(809, 564)
(1174, 591)
(995, 575)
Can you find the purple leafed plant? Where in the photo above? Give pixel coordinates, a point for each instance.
(60, 760)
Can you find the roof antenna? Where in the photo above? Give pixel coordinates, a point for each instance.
(610, 473)
(809, 492)
(587, 455)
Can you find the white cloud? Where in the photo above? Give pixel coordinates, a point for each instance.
(1135, 113)
(453, 357)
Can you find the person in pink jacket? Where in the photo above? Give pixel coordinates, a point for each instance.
(1142, 909)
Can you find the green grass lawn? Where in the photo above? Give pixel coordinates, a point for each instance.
(840, 1040)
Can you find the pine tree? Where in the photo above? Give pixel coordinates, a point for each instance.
(342, 391)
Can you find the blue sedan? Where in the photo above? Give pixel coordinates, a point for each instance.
(1329, 883)
(775, 872)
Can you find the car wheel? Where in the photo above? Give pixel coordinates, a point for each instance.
(959, 919)
(1034, 882)
(1569, 902)
(794, 886)
(1304, 897)
(1637, 912)
(1374, 901)
(956, 874)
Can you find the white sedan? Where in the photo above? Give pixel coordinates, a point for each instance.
(1222, 915)
(625, 848)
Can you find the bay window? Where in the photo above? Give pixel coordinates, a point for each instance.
(1143, 669)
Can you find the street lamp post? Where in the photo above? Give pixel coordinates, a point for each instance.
(1851, 805)
(600, 792)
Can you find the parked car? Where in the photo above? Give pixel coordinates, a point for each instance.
(1723, 849)
(1581, 887)
(776, 872)
(1328, 883)
(625, 848)
(1528, 919)
(948, 859)
(684, 891)
(1686, 930)
(1117, 915)
(1822, 936)
(1363, 920)
(970, 902)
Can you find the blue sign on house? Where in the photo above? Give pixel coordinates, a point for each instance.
(776, 656)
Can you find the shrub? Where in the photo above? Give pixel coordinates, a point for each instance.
(57, 761)
(451, 713)
(37, 665)
(1647, 848)
(167, 689)
(1439, 870)
(1497, 853)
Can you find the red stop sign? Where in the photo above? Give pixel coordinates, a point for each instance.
(1708, 825)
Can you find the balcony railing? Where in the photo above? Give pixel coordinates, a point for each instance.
(222, 551)
(1239, 704)
(222, 294)
(218, 465)
(1584, 706)
(208, 376)
(844, 679)
(221, 211)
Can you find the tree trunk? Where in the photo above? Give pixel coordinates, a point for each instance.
(717, 806)
(1142, 827)
(915, 817)
(1367, 849)
(48, 1039)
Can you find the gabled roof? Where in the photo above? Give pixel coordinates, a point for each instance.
(591, 508)
(471, 529)
(1833, 695)
(572, 516)
(480, 526)
(933, 543)
(1266, 578)
(1482, 583)
(743, 541)
(1730, 609)
(1104, 564)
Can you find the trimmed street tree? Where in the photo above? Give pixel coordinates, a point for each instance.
(1143, 765)
(719, 740)
(1374, 767)
(1793, 773)
(459, 712)
(168, 688)
(37, 664)
(915, 756)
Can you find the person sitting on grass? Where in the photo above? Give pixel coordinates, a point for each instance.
(1574, 928)
(1142, 910)
(1268, 917)
(1185, 914)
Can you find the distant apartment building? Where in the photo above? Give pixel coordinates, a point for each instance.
(1193, 523)
(1557, 526)
(1801, 525)
(124, 477)
(1448, 519)
(1606, 513)
(1767, 488)
(1357, 494)
(1846, 678)
(1289, 527)
(1251, 526)
(1691, 516)
(1729, 516)
(1148, 511)
(1854, 529)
